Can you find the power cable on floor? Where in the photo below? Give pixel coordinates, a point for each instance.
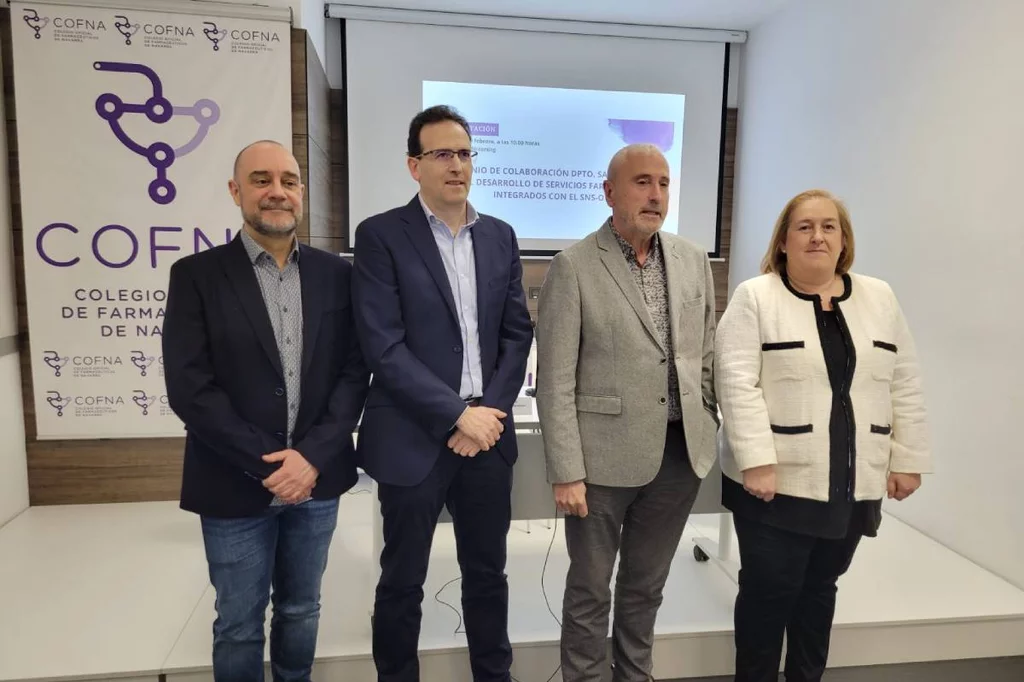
(543, 589)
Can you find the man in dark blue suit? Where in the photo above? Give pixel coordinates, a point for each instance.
(444, 327)
(263, 367)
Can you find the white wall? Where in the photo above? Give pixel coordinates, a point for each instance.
(911, 111)
(332, 50)
(13, 472)
(13, 468)
(313, 21)
(294, 5)
(735, 75)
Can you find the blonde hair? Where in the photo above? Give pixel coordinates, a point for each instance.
(775, 259)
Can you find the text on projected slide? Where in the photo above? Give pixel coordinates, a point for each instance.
(543, 152)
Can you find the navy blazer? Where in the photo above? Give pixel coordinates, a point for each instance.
(225, 382)
(410, 335)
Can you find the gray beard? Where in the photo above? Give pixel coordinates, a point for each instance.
(268, 230)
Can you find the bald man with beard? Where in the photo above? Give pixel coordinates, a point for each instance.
(625, 341)
(264, 368)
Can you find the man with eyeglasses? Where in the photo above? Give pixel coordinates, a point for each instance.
(443, 324)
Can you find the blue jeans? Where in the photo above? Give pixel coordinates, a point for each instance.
(285, 547)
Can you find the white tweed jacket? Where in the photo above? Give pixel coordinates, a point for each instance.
(773, 387)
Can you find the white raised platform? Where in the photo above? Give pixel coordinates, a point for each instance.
(121, 592)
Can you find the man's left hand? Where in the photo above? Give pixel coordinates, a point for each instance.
(293, 481)
(902, 486)
(463, 445)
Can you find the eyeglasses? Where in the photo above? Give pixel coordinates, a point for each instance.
(446, 155)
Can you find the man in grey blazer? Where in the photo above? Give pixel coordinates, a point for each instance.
(625, 341)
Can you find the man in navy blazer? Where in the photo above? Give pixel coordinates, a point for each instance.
(444, 328)
(263, 367)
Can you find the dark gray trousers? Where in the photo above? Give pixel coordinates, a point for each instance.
(646, 523)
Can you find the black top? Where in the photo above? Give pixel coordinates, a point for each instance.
(225, 379)
(841, 515)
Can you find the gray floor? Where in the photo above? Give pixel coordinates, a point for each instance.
(984, 670)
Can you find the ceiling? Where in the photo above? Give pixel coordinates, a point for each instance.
(740, 15)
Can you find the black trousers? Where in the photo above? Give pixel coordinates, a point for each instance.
(477, 492)
(787, 585)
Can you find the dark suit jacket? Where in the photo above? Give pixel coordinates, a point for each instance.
(409, 331)
(224, 378)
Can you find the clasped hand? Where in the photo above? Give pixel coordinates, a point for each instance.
(478, 429)
(293, 482)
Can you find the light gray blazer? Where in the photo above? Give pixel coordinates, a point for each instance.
(602, 374)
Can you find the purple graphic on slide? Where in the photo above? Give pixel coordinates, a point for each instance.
(35, 22)
(214, 34)
(483, 129)
(57, 402)
(659, 133)
(125, 27)
(157, 109)
(53, 359)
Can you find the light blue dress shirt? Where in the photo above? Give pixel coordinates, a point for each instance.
(460, 266)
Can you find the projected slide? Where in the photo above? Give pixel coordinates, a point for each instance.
(543, 152)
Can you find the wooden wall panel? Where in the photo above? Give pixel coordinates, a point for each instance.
(338, 158)
(300, 131)
(720, 269)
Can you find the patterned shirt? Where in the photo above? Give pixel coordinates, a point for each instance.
(460, 265)
(653, 285)
(282, 294)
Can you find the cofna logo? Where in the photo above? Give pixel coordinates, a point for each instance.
(57, 402)
(55, 361)
(143, 401)
(125, 27)
(159, 110)
(35, 22)
(128, 29)
(240, 36)
(214, 34)
(142, 361)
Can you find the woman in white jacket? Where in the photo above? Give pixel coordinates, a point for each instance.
(818, 382)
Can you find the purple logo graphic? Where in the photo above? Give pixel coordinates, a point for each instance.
(659, 133)
(157, 109)
(55, 361)
(142, 361)
(125, 28)
(35, 22)
(483, 129)
(143, 401)
(214, 34)
(57, 402)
